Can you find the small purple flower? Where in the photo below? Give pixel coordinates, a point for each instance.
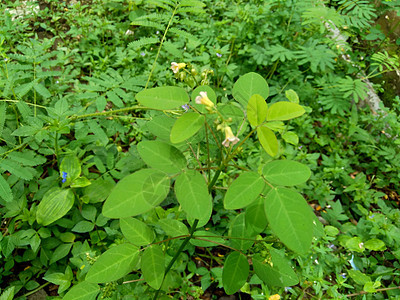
(185, 107)
(219, 54)
(343, 275)
(142, 53)
(64, 177)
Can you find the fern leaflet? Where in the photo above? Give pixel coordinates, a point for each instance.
(142, 42)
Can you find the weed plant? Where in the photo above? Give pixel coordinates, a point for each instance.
(189, 149)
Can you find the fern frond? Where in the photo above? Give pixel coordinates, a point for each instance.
(358, 13)
(155, 17)
(16, 169)
(382, 59)
(353, 87)
(142, 42)
(24, 109)
(165, 4)
(146, 23)
(27, 158)
(194, 3)
(191, 23)
(194, 10)
(320, 15)
(42, 90)
(185, 34)
(171, 49)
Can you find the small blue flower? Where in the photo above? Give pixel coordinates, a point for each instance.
(64, 177)
(185, 107)
(343, 275)
(219, 54)
(142, 53)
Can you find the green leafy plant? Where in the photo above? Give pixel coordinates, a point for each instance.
(284, 209)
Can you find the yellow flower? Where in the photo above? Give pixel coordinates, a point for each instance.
(274, 297)
(203, 99)
(176, 67)
(229, 137)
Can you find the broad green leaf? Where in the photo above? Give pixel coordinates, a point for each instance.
(80, 182)
(70, 165)
(54, 205)
(255, 216)
(162, 156)
(192, 193)
(83, 291)
(286, 172)
(375, 245)
(60, 252)
(244, 190)
(291, 138)
(153, 266)
(241, 236)
(98, 190)
(137, 232)
(186, 126)
(235, 272)
(282, 111)
(355, 244)
(5, 190)
(205, 239)
(290, 218)
(136, 194)
(292, 96)
(83, 226)
(257, 110)
(249, 85)
(166, 97)
(60, 279)
(359, 277)
(161, 126)
(113, 264)
(268, 140)
(173, 227)
(279, 273)
(370, 287)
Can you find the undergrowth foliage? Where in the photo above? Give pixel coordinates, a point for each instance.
(177, 149)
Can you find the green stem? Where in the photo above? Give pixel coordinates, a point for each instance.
(15, 149)
(159, 48)
(56, 148)
(188, 238)
(35, 290)
(183, 245)
(107, 113)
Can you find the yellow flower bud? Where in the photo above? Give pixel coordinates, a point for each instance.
(229, 137)
(175, 67)
(203, 99)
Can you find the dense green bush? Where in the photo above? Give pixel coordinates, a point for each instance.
(150, 149)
